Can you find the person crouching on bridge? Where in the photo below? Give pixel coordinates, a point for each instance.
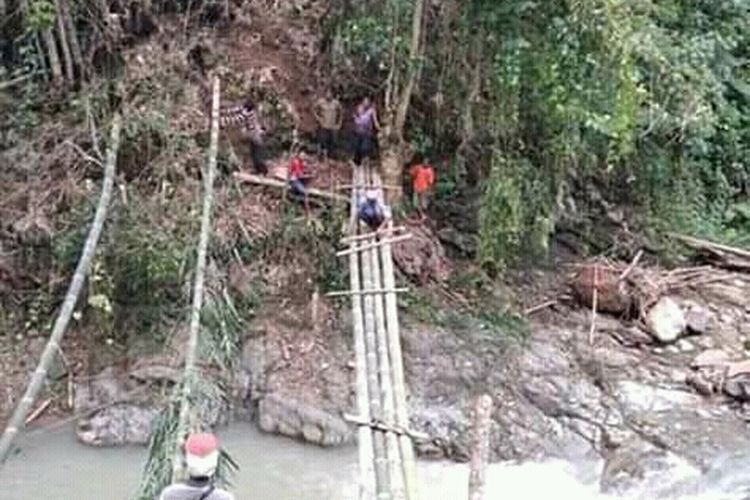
(298, 180)
(201, 458)
(373, 212)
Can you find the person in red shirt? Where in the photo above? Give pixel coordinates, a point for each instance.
(297, 180)
(423, 180)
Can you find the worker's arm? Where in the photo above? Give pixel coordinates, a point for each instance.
(375, 118)
(316, 108)
(339, 115)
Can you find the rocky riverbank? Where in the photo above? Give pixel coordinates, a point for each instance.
(621, 394)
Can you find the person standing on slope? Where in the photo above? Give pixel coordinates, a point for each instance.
(328, 114)
(201, 458)
(423, 178)
(365, 126)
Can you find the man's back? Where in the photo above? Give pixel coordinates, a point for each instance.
(193, 492)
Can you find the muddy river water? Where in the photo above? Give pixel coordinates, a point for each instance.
(52, 465)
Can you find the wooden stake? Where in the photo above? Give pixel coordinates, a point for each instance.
(594, 301)
(480, 449)
(36, 413)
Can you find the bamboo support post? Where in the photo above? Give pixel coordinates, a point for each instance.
(16, 422)
(480, 448)
(183, 425)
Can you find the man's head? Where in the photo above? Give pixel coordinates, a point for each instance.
(371, 195)
(201, 454)
(329, 93)
(366, 102)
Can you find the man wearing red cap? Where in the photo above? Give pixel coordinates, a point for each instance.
(201, 458)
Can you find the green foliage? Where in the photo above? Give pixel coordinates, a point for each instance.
(41, 14)
(513, 216)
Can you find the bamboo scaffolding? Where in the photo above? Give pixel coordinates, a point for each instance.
(183, 425)
(16, 422)
(364, 434)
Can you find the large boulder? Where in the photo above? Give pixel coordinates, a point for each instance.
(286, 416)
(665, 320)
(118, 425)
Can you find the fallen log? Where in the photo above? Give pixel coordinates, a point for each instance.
(264, 181)
(700, 244)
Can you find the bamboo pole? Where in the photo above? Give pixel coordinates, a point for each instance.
(71, 297)
(364, 434)
(373, 244)
(373, 291)
(62, 32)
(200, 267)
(386, 232)
(264, 181)
(391, 439)
(382, 481)
(480, 448)
(408, 463)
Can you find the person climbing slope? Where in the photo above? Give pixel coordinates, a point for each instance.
(372, 211)
(201, 459)
(328, 114)
(298, 180)
(423, 179)
(365, 126)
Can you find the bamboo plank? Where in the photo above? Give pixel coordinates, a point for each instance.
(364, 435)
(393, 452)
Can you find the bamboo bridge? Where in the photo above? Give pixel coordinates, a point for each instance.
(387, 468)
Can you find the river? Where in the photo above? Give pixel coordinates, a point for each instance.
(53, 465)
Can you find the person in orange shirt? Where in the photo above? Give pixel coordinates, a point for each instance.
(423, 179)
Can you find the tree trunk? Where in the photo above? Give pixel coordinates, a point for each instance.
(75, 46)
(52, 348)
(67, 58)
(480, 449)
(392, 133)
(189, 377)
(54, 57)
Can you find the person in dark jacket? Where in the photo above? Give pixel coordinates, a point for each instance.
(201, 458)
(372, 211)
